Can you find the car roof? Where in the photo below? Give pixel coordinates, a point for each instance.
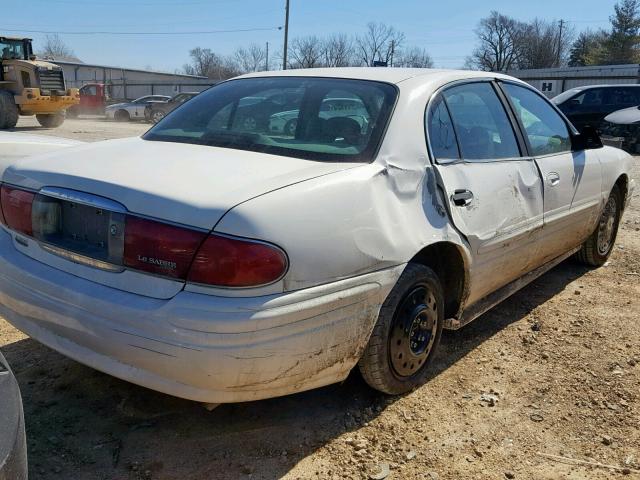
(381, 74)
(609, 85)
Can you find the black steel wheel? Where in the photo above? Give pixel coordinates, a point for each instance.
(406, 334)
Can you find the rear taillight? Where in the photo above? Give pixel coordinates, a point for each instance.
(159, 248)
(233, 262)
(151, 246)
(16, 209)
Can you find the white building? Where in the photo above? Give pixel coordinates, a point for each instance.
(554, 81)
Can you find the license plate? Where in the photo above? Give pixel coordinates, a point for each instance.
(82, 229)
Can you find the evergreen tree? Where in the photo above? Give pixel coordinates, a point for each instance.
(621, 45)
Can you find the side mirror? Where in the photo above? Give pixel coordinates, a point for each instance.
(587, 139)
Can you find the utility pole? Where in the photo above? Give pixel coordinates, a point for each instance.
(561, 22)
(266, 60)
(286, 37)
(393, 45)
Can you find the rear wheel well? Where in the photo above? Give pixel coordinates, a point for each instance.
(446, 260)
(623, 184)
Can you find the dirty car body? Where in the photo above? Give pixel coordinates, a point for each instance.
(227, 265)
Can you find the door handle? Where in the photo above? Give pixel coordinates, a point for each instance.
(462, 198)
(553, 178)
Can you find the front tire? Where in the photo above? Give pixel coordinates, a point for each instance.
(8, 110)
(598, 247)
(406, 334)
(50, 120)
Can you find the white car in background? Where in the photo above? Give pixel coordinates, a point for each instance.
(134, 110)
(225, 265)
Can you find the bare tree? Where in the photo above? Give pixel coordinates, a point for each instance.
(544, 44)
(499, 39)
(250, 59)
(415, 57)
(379, 43)
(56, 49)
(208, 64)
(306, 52)
(338, 51)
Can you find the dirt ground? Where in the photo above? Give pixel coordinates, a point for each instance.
(552, 372)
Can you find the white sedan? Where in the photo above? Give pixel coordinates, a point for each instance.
(222, 265)
(133, 110)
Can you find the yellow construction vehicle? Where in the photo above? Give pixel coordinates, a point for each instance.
(29, 86)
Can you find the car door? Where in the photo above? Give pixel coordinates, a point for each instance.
(586, 108)
(494, 192)
(572, 179)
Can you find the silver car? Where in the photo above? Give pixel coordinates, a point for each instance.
(123, 112)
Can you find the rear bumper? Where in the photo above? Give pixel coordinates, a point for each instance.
(195, 346)
(32, 102)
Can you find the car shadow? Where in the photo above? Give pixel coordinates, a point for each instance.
(85, 424)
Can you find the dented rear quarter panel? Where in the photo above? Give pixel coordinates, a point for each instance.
(364, 219)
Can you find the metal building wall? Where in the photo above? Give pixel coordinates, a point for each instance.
(554, 81)
(129, 84)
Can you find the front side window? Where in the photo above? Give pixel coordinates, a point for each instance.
(546, 130)
(481, 123)
(442, 137)
(12, 50)
(322, 119)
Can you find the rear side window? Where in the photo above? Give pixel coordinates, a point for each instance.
(546, 130)
(481, 123)
(442, 137)
(594, 97)
(622, 96)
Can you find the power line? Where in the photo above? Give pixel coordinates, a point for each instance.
(205, 32)
(178, 22)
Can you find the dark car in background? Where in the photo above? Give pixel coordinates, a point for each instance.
(589, 105)
(13, 446)
(155, 112)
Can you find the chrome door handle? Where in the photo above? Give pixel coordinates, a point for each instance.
(462, 198)
(553, 178)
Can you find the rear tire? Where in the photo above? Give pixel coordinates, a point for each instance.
(407, 333)
(156, 116)
(50, 120)
(596, 250)
(121, 116)
(8, 110)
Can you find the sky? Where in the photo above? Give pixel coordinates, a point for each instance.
(444, 28)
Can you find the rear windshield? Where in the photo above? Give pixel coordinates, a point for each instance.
(321, 119)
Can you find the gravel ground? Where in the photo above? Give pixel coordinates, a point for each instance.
(544, 386)
(88, 129)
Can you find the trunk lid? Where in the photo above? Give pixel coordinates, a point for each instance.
(86, 193)
(192, 185)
